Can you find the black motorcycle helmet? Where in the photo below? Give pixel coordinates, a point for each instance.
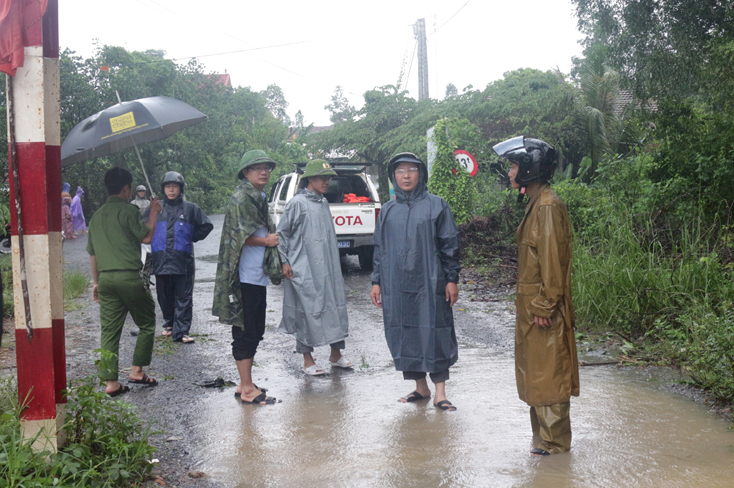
(406, 157)
(173, 177)
(536, 159)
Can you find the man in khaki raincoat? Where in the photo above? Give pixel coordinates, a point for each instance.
(546, 366)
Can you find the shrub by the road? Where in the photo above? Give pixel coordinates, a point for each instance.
(107, 443)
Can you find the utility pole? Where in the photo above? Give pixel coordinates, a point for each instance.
(35, 163)
(419, 31)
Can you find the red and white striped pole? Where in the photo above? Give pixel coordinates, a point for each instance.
(36, 156)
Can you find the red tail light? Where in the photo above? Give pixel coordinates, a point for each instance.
(377, 215)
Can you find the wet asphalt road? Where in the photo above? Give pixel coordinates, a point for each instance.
(347, 428)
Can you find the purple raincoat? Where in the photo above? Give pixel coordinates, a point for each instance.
(77, 213)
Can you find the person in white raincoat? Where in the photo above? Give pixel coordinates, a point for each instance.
(314, 302)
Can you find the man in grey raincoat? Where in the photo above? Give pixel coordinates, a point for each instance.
(314, 303)
(248, 256)
(416, 271)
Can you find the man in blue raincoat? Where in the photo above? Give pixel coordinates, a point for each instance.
(416, 271)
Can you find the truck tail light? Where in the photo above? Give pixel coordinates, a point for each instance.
(377, 215)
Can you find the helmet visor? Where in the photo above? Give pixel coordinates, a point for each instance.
(509, 145)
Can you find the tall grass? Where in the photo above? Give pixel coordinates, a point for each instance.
(75, 284)
(628, 279)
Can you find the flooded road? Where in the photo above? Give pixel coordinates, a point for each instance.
(347, 429)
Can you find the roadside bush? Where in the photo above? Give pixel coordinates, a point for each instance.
(107, 443)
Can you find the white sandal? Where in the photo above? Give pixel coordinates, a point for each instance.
(314, 370)
(342, 363)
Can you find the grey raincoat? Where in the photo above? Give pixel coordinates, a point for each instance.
(416, 256)
(314, 302)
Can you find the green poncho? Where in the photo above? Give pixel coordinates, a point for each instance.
(247, 211)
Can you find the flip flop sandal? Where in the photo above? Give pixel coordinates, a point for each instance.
(238, 394)
(145, 380)
(414, 397)
(342, 363)
(445, 405)
(258, 400)
(167, 332)
(539, 452)
(185, 340)
(314, 370)
(120, 391)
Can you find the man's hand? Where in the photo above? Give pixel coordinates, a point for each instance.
(271, 240)
(287, 270)
(452, 293)
(541, 321)
(155, 206)
(95, 295)
(375, 296)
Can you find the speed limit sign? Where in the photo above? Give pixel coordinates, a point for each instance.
(466, 161)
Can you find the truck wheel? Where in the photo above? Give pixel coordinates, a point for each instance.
(365, 257)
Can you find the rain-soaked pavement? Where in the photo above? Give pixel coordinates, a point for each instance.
(347, 429)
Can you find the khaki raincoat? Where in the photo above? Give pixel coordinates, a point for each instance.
(546, 366)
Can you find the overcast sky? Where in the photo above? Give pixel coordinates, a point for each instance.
(308, 48)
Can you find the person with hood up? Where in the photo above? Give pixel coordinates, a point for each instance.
(179, 225)
(80, 223)
(314, 302)
(141, 200)
(248, 256)
(67, 221)
(414, 280)
(546, 365)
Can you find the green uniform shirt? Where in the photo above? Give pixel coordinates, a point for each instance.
(115, 233)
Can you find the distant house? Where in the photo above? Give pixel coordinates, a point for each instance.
(221, 79)
(625, 98)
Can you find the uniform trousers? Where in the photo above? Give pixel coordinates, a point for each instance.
(121, 292)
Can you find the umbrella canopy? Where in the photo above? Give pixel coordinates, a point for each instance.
(125, 125)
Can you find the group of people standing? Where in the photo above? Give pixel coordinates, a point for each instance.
(415, 279)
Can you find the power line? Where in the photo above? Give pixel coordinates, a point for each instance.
(455, 14)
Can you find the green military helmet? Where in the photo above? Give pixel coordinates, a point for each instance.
(318, 167)
(251, 158)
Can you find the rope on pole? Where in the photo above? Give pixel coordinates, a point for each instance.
(16, 185)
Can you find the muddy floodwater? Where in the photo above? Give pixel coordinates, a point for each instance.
(346, 429)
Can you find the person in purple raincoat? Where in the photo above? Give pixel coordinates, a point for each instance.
(80, 225)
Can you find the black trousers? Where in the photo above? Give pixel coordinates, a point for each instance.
(418, 375)
(176, 299)
(245, 340)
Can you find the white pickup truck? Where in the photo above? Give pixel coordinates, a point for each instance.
(354, 223)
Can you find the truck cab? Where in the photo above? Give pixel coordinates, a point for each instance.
(353, 202)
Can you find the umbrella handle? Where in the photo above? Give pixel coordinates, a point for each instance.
(152, 194)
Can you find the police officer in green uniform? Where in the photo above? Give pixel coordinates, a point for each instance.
(115, 234)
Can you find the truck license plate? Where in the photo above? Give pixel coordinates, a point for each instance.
(344, 244)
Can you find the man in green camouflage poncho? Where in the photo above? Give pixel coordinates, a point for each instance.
(248, 255)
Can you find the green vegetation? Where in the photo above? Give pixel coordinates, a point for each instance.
(76, 284)
(107, 443)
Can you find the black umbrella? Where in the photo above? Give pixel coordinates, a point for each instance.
(125, 125)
